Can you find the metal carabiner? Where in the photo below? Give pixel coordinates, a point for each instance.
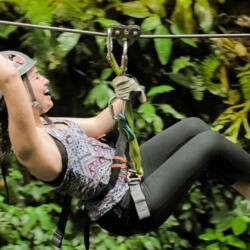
(110, 57)
(125, 36)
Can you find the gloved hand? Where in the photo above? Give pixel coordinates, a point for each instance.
(125, 85)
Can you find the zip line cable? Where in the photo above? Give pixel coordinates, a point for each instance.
(143, 36)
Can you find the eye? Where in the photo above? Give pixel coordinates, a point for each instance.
(37, 76)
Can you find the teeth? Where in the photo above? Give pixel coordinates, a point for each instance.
(46, 92)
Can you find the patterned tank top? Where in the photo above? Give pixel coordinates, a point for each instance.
(88, 170)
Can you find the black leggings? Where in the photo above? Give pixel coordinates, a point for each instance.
(172, 161)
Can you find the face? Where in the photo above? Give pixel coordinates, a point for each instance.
(40, 86)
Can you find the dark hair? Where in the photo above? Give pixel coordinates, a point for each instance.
(4, 137)
(5, 145)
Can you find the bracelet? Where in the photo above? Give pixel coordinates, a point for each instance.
(111, 108)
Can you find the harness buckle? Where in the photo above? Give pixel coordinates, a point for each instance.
(132, 177)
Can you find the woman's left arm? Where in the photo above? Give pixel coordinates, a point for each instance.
(103, 123)
(100, 124)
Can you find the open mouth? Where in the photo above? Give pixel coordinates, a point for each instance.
(46, 92)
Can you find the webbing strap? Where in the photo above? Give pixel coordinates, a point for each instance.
(3, 167)
(58, 235)
(134, 149)
(139, 200)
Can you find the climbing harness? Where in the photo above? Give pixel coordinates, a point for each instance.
(125, 36)
(126, 141)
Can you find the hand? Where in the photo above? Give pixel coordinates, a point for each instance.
(7, 72)
(124, 86)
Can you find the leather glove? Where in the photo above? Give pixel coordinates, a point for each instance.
(125, 85)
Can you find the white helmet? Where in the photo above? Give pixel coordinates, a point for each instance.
(20, 61)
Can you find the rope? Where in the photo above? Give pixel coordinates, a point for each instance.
(142, 36)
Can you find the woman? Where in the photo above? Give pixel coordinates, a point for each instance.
(65, 152)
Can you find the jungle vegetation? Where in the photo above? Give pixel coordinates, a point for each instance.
(207, 78)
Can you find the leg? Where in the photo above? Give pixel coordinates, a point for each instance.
(167, 185)
(158, 149)
(154, 153)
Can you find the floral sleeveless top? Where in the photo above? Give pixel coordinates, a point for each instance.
(88, 170)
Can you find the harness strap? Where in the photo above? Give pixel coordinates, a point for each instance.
(117, 159)
(134, 155)
(134, 149)
(86, 228)
(59, 234)
(35, 103)
(127, 123)
(137, 195)
(4, 170)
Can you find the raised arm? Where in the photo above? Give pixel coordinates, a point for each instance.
(103, 123)
(33, 148)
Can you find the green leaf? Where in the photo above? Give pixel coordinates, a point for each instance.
(175, 29)
(210, 235)
(181, 63)
(163, 46)
(67, 41)
(106, 22)
(5, 31)
(135, 9)
(156, 6)
(39, 11)
(31, 222)
(214, 246)
(158, 124)
(180, 79)
(239, 225)
(159, 90)
(236, 242)
(204, 12)
(106, 73)
(167, 109)
(147, 110)
(151, 23)
(99, 95)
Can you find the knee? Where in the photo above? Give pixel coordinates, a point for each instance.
(195, 125)
(210, 141)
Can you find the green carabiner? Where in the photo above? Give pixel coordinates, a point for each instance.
(125, 127)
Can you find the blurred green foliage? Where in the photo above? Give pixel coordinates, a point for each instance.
(208, 78)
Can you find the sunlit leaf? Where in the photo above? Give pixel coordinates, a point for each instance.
(106, 22)
(203, 10)
(99, 95)
(156, 6)
(163, 46)
(159, 90)
(236, 242)
(150, 23)
(168, 109)
(67, 41)
(158, 124)
(239, 225)
(135, 9)
(181, 63)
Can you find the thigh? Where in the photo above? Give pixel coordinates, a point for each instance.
(166, 186)
(159, 148)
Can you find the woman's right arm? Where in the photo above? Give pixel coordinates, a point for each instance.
(33, 147)
(22, 130)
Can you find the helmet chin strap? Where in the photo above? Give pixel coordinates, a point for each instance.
(34, 102)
